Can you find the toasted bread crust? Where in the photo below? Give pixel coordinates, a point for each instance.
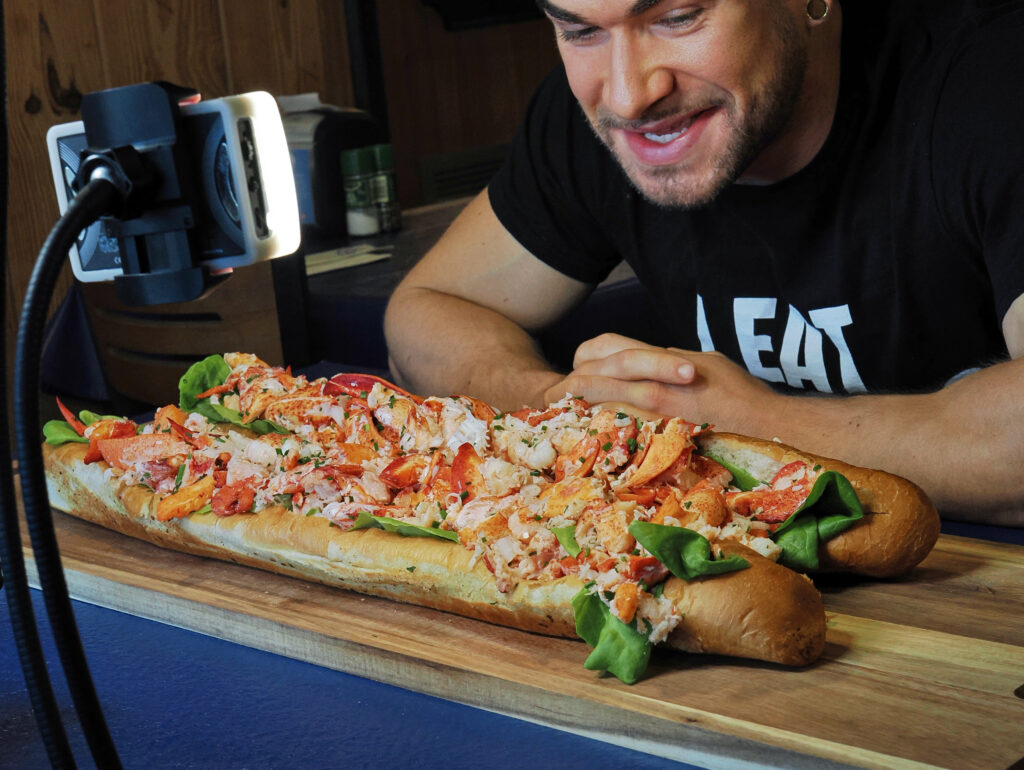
(766, 612)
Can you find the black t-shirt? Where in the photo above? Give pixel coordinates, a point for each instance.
(887, 263)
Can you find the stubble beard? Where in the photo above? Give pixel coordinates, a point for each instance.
(749, 134)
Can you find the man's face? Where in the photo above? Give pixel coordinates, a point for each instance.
(686, 93)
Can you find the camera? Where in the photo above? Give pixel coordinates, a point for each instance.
(241, 205)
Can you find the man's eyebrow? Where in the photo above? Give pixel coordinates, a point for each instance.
(639, 8)
(559, 13)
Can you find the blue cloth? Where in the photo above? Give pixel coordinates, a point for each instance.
(174, 698)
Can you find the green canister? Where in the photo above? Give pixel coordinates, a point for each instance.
(358, 170)
(385, 189)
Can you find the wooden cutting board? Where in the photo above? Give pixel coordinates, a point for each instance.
(922, 671)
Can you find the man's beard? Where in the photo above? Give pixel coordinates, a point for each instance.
(679, 186)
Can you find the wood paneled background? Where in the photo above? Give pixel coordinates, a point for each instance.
(446, 90)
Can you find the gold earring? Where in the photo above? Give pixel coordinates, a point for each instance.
(817, 10)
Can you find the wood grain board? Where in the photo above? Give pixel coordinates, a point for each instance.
(917, 672)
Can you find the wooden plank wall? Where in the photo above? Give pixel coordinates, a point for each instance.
(452, 90)
(446, 90)
(56, 51)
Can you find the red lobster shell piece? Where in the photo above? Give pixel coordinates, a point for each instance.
(359, 385)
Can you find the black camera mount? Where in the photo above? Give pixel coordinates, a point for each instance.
(133, 139)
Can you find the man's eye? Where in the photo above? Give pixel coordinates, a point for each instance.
(577, 34)
(682, 20)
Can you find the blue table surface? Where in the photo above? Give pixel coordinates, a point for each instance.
(174, 698)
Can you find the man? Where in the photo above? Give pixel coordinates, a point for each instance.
(828, 195)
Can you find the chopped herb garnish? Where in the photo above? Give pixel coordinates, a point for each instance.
(606, 447)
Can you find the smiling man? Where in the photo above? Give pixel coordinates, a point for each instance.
(821, 199)
(681, 143)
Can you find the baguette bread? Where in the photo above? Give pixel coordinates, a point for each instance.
(900, 525)
(765, 612)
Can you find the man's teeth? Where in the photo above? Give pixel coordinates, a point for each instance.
(664, 138)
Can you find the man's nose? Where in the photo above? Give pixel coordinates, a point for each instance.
(636, 79)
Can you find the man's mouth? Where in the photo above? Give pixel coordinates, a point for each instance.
(667, 141)
(666, 131)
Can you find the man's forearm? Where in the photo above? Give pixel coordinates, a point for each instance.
(440, 344)
(962, 444)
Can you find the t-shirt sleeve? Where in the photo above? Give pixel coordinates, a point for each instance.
(978, 152)
(548, 193)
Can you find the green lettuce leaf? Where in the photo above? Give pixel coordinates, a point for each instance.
(365, 519)
(567, 537)
(209, 373)
(686, 553)
(741, 478)
(831, 507)
(88, 418)
(618, 647)
(57, 432)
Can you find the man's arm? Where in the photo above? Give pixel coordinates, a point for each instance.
(460, 321)
(963, 444)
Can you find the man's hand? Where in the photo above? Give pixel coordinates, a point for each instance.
(704, 387)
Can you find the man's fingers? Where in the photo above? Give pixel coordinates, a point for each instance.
(650, 395)
(606, 345)
(649, 363)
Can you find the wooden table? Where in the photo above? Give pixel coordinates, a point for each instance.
(923, 671)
